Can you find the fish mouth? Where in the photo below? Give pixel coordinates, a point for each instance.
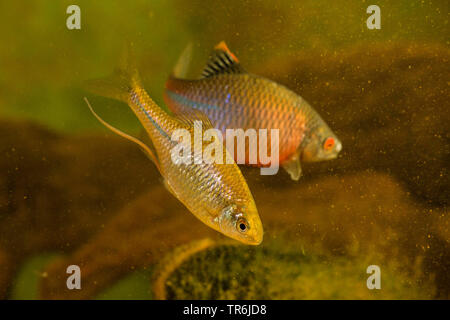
(332, 156)
(338, 147)
(252, 240)
(256, 240)
(256, 237)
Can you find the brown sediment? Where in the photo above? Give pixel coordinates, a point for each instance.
(138, 236)
(366, 215)
(7, 272)
(99, 201)
(57, 191)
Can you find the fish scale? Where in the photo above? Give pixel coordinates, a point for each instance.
(256, 106)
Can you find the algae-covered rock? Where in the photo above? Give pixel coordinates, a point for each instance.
(278, 271)
(320, 237)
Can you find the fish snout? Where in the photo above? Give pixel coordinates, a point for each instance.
(255, 234)
(246, 228)
(256, 239)
(338, 147)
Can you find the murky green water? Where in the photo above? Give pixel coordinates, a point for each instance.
(73, 193)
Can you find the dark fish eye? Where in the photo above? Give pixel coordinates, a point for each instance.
(242, 225)
(328, 143)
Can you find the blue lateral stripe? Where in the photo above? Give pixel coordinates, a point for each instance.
(157, 126)
(187, 102)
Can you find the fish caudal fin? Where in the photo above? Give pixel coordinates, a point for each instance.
(118, 85)
(182, 66)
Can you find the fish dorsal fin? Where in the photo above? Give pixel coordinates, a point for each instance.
(222, 61)
(189, 116)
(182, 67)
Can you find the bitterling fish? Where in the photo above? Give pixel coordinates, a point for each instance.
(217, 194)
(233, 98)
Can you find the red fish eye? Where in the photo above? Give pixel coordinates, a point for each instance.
(328, 144)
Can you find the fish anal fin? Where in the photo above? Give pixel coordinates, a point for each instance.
(293, 167)
(142, 145)
(222, 61)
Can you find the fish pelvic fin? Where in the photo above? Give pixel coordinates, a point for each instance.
(147, 150)
(293, 167)
(222, 61)
(181, 68)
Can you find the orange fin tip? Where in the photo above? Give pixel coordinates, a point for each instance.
(223, 47)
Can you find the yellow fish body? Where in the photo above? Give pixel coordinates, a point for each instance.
(217, 194)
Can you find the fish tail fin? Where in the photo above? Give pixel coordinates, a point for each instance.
(182, 66)
(120, 83)
(116, 86)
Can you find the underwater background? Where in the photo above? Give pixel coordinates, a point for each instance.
(73, 193)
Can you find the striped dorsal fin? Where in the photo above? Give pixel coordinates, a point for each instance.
(222, 61)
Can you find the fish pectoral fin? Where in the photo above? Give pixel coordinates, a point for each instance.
(293, 167)
(143, 146)
(222, 61)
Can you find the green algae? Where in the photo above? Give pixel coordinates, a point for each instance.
(27, 280)
(135, 286)
(278, 270)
